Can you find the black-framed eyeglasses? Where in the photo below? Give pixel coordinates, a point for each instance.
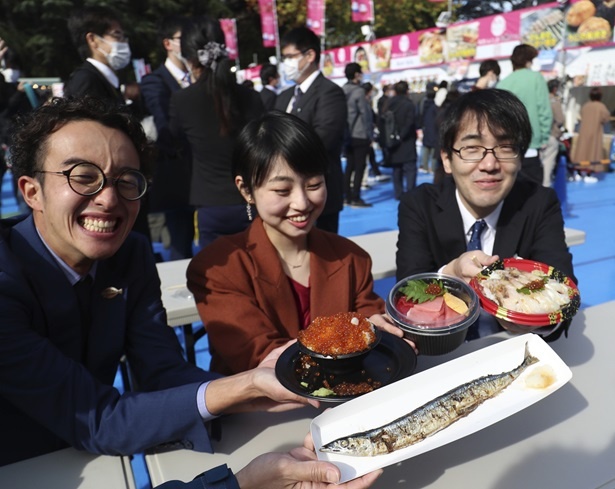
(88, 179)
(117, 35)
(176, 38)
(284, 57)
(502, 152)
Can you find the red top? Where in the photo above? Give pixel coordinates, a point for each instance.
(302, 302)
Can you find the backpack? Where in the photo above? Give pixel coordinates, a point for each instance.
(391, 137)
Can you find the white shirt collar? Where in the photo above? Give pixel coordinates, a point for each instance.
(307, 83)
(176, 72)
(304, 86)
(72, 276)
(488, 235)
(106, 72)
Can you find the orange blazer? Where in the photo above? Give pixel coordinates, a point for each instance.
(246, 302)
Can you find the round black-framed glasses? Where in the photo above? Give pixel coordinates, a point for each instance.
(88, 179)
(473, 154)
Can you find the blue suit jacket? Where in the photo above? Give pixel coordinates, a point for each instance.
(52, 394)
(171, 183)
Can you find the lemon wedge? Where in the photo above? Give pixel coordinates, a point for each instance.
(455, 303)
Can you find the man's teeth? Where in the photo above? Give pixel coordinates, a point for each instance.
(98, 225)
(298, 218)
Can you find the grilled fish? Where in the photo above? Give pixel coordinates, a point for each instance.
(430, 418)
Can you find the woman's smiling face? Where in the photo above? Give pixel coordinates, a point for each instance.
(289, 203)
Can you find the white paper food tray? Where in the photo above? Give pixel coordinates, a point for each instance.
(379, 407)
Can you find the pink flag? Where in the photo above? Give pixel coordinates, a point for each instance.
(229, 26)
(268, 22)
(316, 16)
(362, 10)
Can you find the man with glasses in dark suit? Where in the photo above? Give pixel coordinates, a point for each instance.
(487, 210)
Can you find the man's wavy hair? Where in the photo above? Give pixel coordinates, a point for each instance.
(28, 142)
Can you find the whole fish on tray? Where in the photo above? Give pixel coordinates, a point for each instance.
(429, 418)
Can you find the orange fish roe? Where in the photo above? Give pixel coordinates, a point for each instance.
(340, 334)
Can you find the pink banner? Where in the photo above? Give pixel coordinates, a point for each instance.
(362, 10)
(267, 8)
(229, 26)
(316, 16)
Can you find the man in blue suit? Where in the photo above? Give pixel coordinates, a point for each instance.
(171, 182)
(78, 290)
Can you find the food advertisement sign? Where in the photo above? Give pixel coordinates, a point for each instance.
(404, 51)
(432, 47)
(589, 23)
(462, 40)
(543, 28)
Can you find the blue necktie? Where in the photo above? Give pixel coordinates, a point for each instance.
(477, 229)
(474, 244)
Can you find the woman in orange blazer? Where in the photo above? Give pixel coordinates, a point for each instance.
(256, 289)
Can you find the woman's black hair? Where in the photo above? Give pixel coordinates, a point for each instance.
(218, 79)
(499, 110)
(277, 135)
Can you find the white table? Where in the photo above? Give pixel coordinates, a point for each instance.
(566, 440)
(68, 469)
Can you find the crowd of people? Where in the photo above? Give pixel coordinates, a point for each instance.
(262, 173)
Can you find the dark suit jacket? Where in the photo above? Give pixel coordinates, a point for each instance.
(87, 80)
(194, 117)
(431, 229)
(268, 97)
(52, 393)
(247, 301)
(171, 182)
(323, 107)
(405, 119)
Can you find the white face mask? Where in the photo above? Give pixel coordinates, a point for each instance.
(11, 75)
(492, 83)
(536, 65)
(119, 56)
(291, 68)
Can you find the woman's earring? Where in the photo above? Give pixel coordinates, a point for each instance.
(249, 210)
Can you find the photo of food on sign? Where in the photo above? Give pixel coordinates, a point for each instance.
(461, 41)
(360, 56)
(590, 22)
(543, 28)
(431, 47)
(380, 54)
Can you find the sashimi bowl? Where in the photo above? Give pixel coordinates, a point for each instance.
(433, 310)
(526, 295)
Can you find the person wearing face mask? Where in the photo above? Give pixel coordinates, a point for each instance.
(97, 34)
(171, 185)
(322, 104)
(489, 71)
(531, 88)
